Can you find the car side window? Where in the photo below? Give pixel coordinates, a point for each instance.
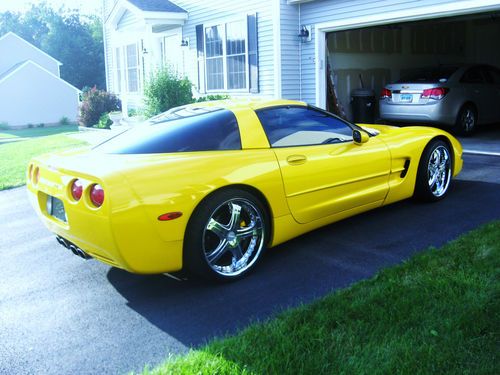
(473, 75)
(301, 126)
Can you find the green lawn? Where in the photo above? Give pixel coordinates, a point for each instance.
(437, 313)
(37, 132)
(14, 156)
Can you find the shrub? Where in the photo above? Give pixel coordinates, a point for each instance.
(166, 90)
(104, 122)
(211, 97)
(4, 125)
(94, 104)
(63, 121)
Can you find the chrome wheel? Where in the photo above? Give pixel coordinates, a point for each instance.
(439, 171)
(466, 120)
(233, 237)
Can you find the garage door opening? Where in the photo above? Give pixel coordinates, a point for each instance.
(373, 57)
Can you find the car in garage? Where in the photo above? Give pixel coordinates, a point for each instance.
(459, 97)
(207, 187)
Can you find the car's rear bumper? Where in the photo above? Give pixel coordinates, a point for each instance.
(431, 113)
(120, 238)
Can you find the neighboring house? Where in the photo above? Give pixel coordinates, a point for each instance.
(31, 90)
(253, 47)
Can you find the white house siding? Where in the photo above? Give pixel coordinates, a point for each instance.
(290, 50)
(47, 97)
(108, 51)
(203, 12)
(322, 11)
(21, 51)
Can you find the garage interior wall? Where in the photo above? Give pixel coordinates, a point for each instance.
(383, 54)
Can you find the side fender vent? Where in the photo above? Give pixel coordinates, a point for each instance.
(405, 168)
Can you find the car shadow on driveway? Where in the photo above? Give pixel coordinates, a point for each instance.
(307, 267)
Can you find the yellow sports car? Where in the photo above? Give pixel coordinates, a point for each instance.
(208, 186)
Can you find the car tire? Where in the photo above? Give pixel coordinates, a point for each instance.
(226, 235)
(466, 120)
(434, 172)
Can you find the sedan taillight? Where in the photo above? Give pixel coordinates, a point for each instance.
(97, 195)
(385, 93)
(436, 93)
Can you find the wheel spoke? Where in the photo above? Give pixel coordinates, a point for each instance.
(219, 251)
(217, 228)
(249, 231)
(237, 253)
(234, 223)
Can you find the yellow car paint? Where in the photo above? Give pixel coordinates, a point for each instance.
(303, 187)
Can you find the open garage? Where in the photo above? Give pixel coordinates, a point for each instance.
(372, 57)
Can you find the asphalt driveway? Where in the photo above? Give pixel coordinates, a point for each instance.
(60, 314)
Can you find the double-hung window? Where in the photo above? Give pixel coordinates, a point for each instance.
(132, 61)
(118, 69)
(227, 55)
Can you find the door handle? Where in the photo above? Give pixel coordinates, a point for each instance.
(296, 159)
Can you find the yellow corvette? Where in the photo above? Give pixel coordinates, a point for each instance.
(207, 187)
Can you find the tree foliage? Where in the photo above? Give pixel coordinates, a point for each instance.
(73, 39)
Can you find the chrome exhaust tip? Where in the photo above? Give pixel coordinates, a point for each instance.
(62, 242)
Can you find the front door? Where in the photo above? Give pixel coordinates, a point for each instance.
(324, 172)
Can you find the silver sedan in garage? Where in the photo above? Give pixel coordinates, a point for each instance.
(458, 96)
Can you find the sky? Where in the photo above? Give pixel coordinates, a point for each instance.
(84, 6)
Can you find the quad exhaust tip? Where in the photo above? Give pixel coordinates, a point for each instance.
(73, 248)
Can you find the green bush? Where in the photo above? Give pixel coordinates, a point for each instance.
(212, 97)
(95, 103)
(64, 121)
(166, 90)
(104, 122)
(4, 125)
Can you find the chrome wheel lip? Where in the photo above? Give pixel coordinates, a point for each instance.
(244, 242)
(439, 171)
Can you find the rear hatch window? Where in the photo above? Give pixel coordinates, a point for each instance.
(183, 130)
(429, 75)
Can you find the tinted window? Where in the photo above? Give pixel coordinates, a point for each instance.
(216, 130)
(473, 75)
(438, 74)
(493, 75)
(300, 126)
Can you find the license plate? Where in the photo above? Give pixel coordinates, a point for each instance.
(55, 208)
(407, 98)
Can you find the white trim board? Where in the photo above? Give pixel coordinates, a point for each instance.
(457, 8)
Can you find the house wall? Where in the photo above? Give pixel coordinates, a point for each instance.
(290, 51)
(323, 11)
(107, 7)
(203, 12)
(25, 98)
(14, 50)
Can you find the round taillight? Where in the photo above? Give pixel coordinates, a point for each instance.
(36, 175)
(30, 172)
(97, 195)
(76, 190)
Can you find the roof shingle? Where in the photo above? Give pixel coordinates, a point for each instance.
(157, 6)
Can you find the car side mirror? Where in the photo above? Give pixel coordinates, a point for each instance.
(360, 137)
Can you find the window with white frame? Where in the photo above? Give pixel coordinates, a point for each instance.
(226, 55)
(132, 61)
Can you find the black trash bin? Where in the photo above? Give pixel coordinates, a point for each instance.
(363, 106)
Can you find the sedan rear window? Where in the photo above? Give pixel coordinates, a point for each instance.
(438, 74)
(208, 130)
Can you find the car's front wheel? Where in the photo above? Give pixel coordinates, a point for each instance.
(434, 172)
(226, 235)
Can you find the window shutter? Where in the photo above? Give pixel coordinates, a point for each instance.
(253, 55)
(200, 48)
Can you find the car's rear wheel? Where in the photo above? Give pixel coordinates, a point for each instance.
(434, 172)
(226, 235)
(466, 120)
